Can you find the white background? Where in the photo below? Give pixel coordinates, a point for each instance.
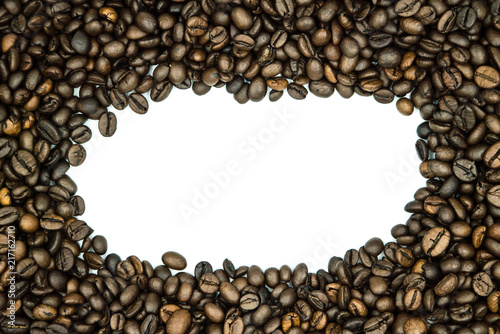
(336, 174)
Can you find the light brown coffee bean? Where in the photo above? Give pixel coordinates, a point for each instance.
(436, 241)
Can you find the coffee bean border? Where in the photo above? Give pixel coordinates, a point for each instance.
(441, 272)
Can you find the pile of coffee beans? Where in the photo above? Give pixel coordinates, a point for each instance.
(63, 62)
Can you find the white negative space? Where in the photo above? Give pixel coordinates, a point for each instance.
(307, 179)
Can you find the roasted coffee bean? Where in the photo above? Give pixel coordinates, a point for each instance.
(128, 81)
(23, 163)
(405, 106)
(285, 8)
(78, 230)
(178, 322)
(118, 99)
(51, 222)
(174, 260)
(487, 77)
(107, 124)
(63, 63)
(76, 155)
(81, 42)
(465, 170)
(296, 91)
(447, 285)
(482, 284)
(436, 241)
(407, 8)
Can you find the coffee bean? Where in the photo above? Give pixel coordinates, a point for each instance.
(147, 22)
(23, 163)
(493, 195)
(296, 91)
(465, 170)
(78, 230)
(257, 89)
(229, 293)
(407, 8)
(114, 49)
(414, 325)
(118, 99)
(81, 42)
(107, 124)
(128, 81)
(48, 131)
(375, 325)
(466, 18)
(487, 77)
(51, 222)
(322, 88)
(285, 8)
(76, 155)
(178, 322)
(452, 78)
(174, 260)
(65, 260)
(482, 284)
(436, 241)
(405, 106)
(161, 91)
(447, 285)
(214, 313)
(129, 294)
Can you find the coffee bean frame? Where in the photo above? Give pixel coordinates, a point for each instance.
(441, 272)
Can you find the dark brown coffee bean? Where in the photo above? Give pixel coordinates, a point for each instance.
(23, 163)
(465, 170)
(78, 230)
(146, 21)
(51, 222)
(257, 89)
(407, 8)
(452, 78)
(138, 103)
(81, 42)
(296, 91)
(65, 260)
(209, 283)
(285, 8)
(107, 124)
(76, 155)
(493, 195)
(118, 99)
(114, 49)
(128, 81)
(161, 91)
(48, 131)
